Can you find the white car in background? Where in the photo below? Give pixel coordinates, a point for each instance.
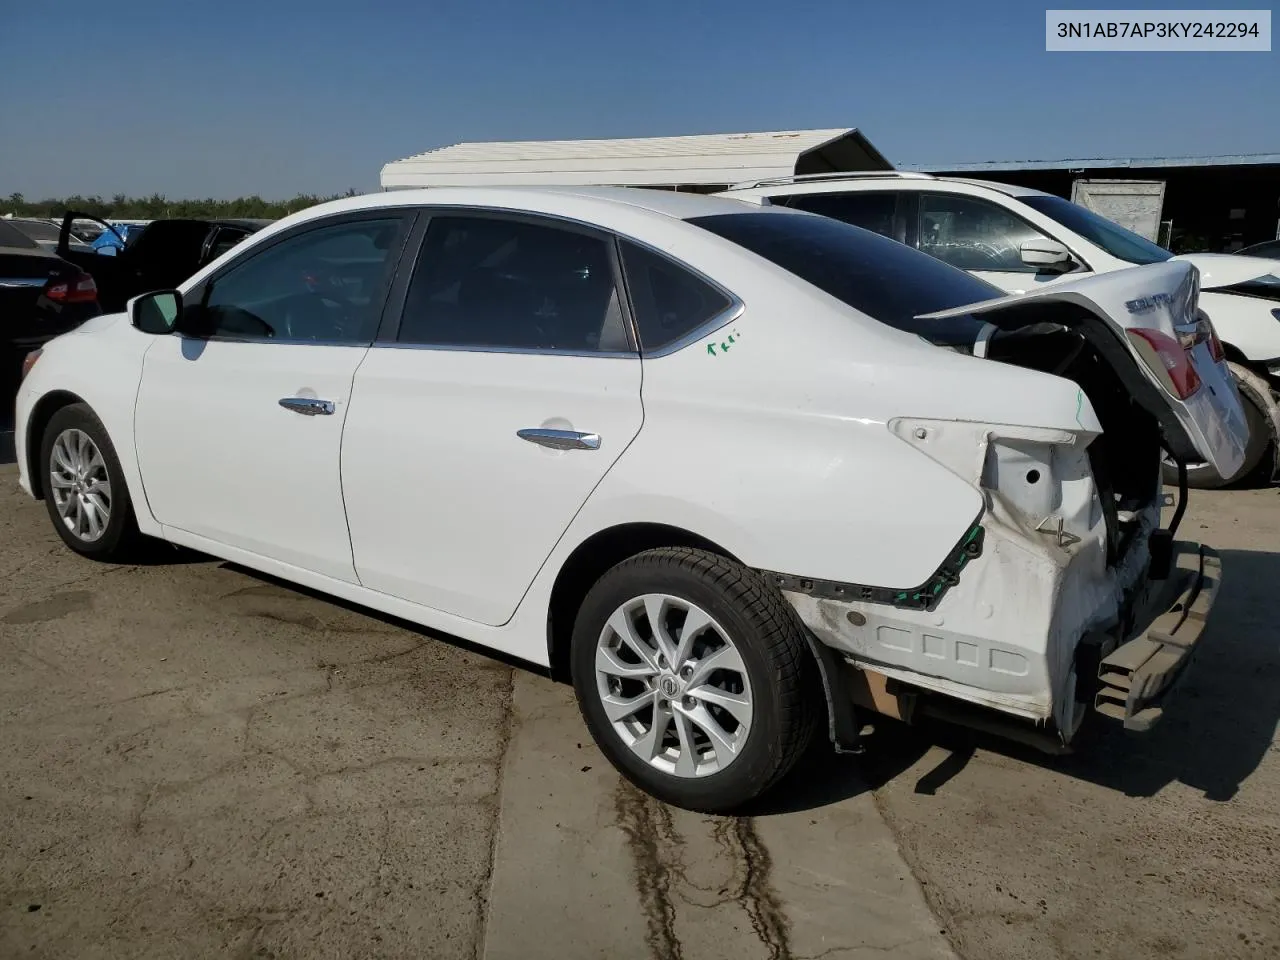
(1021, 239)
(729, 470)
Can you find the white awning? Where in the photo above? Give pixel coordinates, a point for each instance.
(713, 160)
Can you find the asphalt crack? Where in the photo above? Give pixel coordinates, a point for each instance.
(660, 875)
(641, 818)
(484, 887)
(757, 895)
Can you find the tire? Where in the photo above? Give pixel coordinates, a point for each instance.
(751, 650)
(1260, 452)
(86, 459)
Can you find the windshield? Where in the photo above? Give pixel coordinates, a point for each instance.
(882, 278)
(1111, 237)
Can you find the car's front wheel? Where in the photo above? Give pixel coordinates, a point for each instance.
(694, 676)
(84, 486)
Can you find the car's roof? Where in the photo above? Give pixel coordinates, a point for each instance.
(878, 181)
(669, 203)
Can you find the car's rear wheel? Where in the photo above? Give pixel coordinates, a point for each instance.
(84, 486)
(1260, 452)
(694, 677)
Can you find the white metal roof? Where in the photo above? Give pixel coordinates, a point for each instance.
(710, 159)
(1099, 163)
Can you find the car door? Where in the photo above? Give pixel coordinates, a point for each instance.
(481, 423)
(239, 417)
(979, 236)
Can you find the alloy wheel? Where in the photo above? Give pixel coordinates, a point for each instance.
(673, 685)
(80, 485)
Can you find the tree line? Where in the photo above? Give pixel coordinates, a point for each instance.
(157, 206)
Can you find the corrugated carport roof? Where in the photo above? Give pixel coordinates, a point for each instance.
(711, 159)
(1098, 163)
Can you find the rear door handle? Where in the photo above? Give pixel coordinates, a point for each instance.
(308, 406)
(560, 439)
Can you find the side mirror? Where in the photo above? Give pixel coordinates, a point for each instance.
(156, 312)
(1046, 254)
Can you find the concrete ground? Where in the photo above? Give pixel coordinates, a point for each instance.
(199, 762)
(1149, 847)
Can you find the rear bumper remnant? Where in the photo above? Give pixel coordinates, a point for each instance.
(1136, 677)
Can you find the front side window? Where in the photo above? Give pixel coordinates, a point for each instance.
(1111, 237)
(325, 285)
(871, 210)
(669, 301)
(492, 283)
(973, 234)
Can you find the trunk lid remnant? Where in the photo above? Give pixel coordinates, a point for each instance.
(1147, 324)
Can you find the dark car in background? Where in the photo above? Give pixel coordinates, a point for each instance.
(46, 233)
(42, 295)
(159, 256)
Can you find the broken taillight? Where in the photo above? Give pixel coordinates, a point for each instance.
(1168, 359)
(1202, 331)
(77, 289)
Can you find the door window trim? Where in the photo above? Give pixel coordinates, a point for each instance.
(199, 293)
(390, 328)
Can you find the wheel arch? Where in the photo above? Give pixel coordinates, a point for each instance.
(41, 414)
(589, 561)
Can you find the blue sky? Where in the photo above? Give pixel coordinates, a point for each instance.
(227, 97)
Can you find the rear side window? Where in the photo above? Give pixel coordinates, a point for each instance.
(11, 236)
(871, 211)
(882, 278)
(669, 301)
(492, 283)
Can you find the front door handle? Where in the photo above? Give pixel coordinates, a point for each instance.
(308, 406)
(560, 439)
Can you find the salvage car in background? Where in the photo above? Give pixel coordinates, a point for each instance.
(158, 255)
(41, 296)
(46, 233)
(702, 459)
(1021, 239)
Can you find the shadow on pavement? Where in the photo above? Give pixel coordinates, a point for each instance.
(8, 391)
(1219, 724)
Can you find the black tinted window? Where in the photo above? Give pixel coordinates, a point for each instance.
(669, 301)
(323, 285)
(38, 230)
(11, 236)
(486, 283)
(871, 211)
(882, 278)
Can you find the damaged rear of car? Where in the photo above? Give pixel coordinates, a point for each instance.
(1065, 594)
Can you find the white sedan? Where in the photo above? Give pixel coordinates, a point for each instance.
(734, 472)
